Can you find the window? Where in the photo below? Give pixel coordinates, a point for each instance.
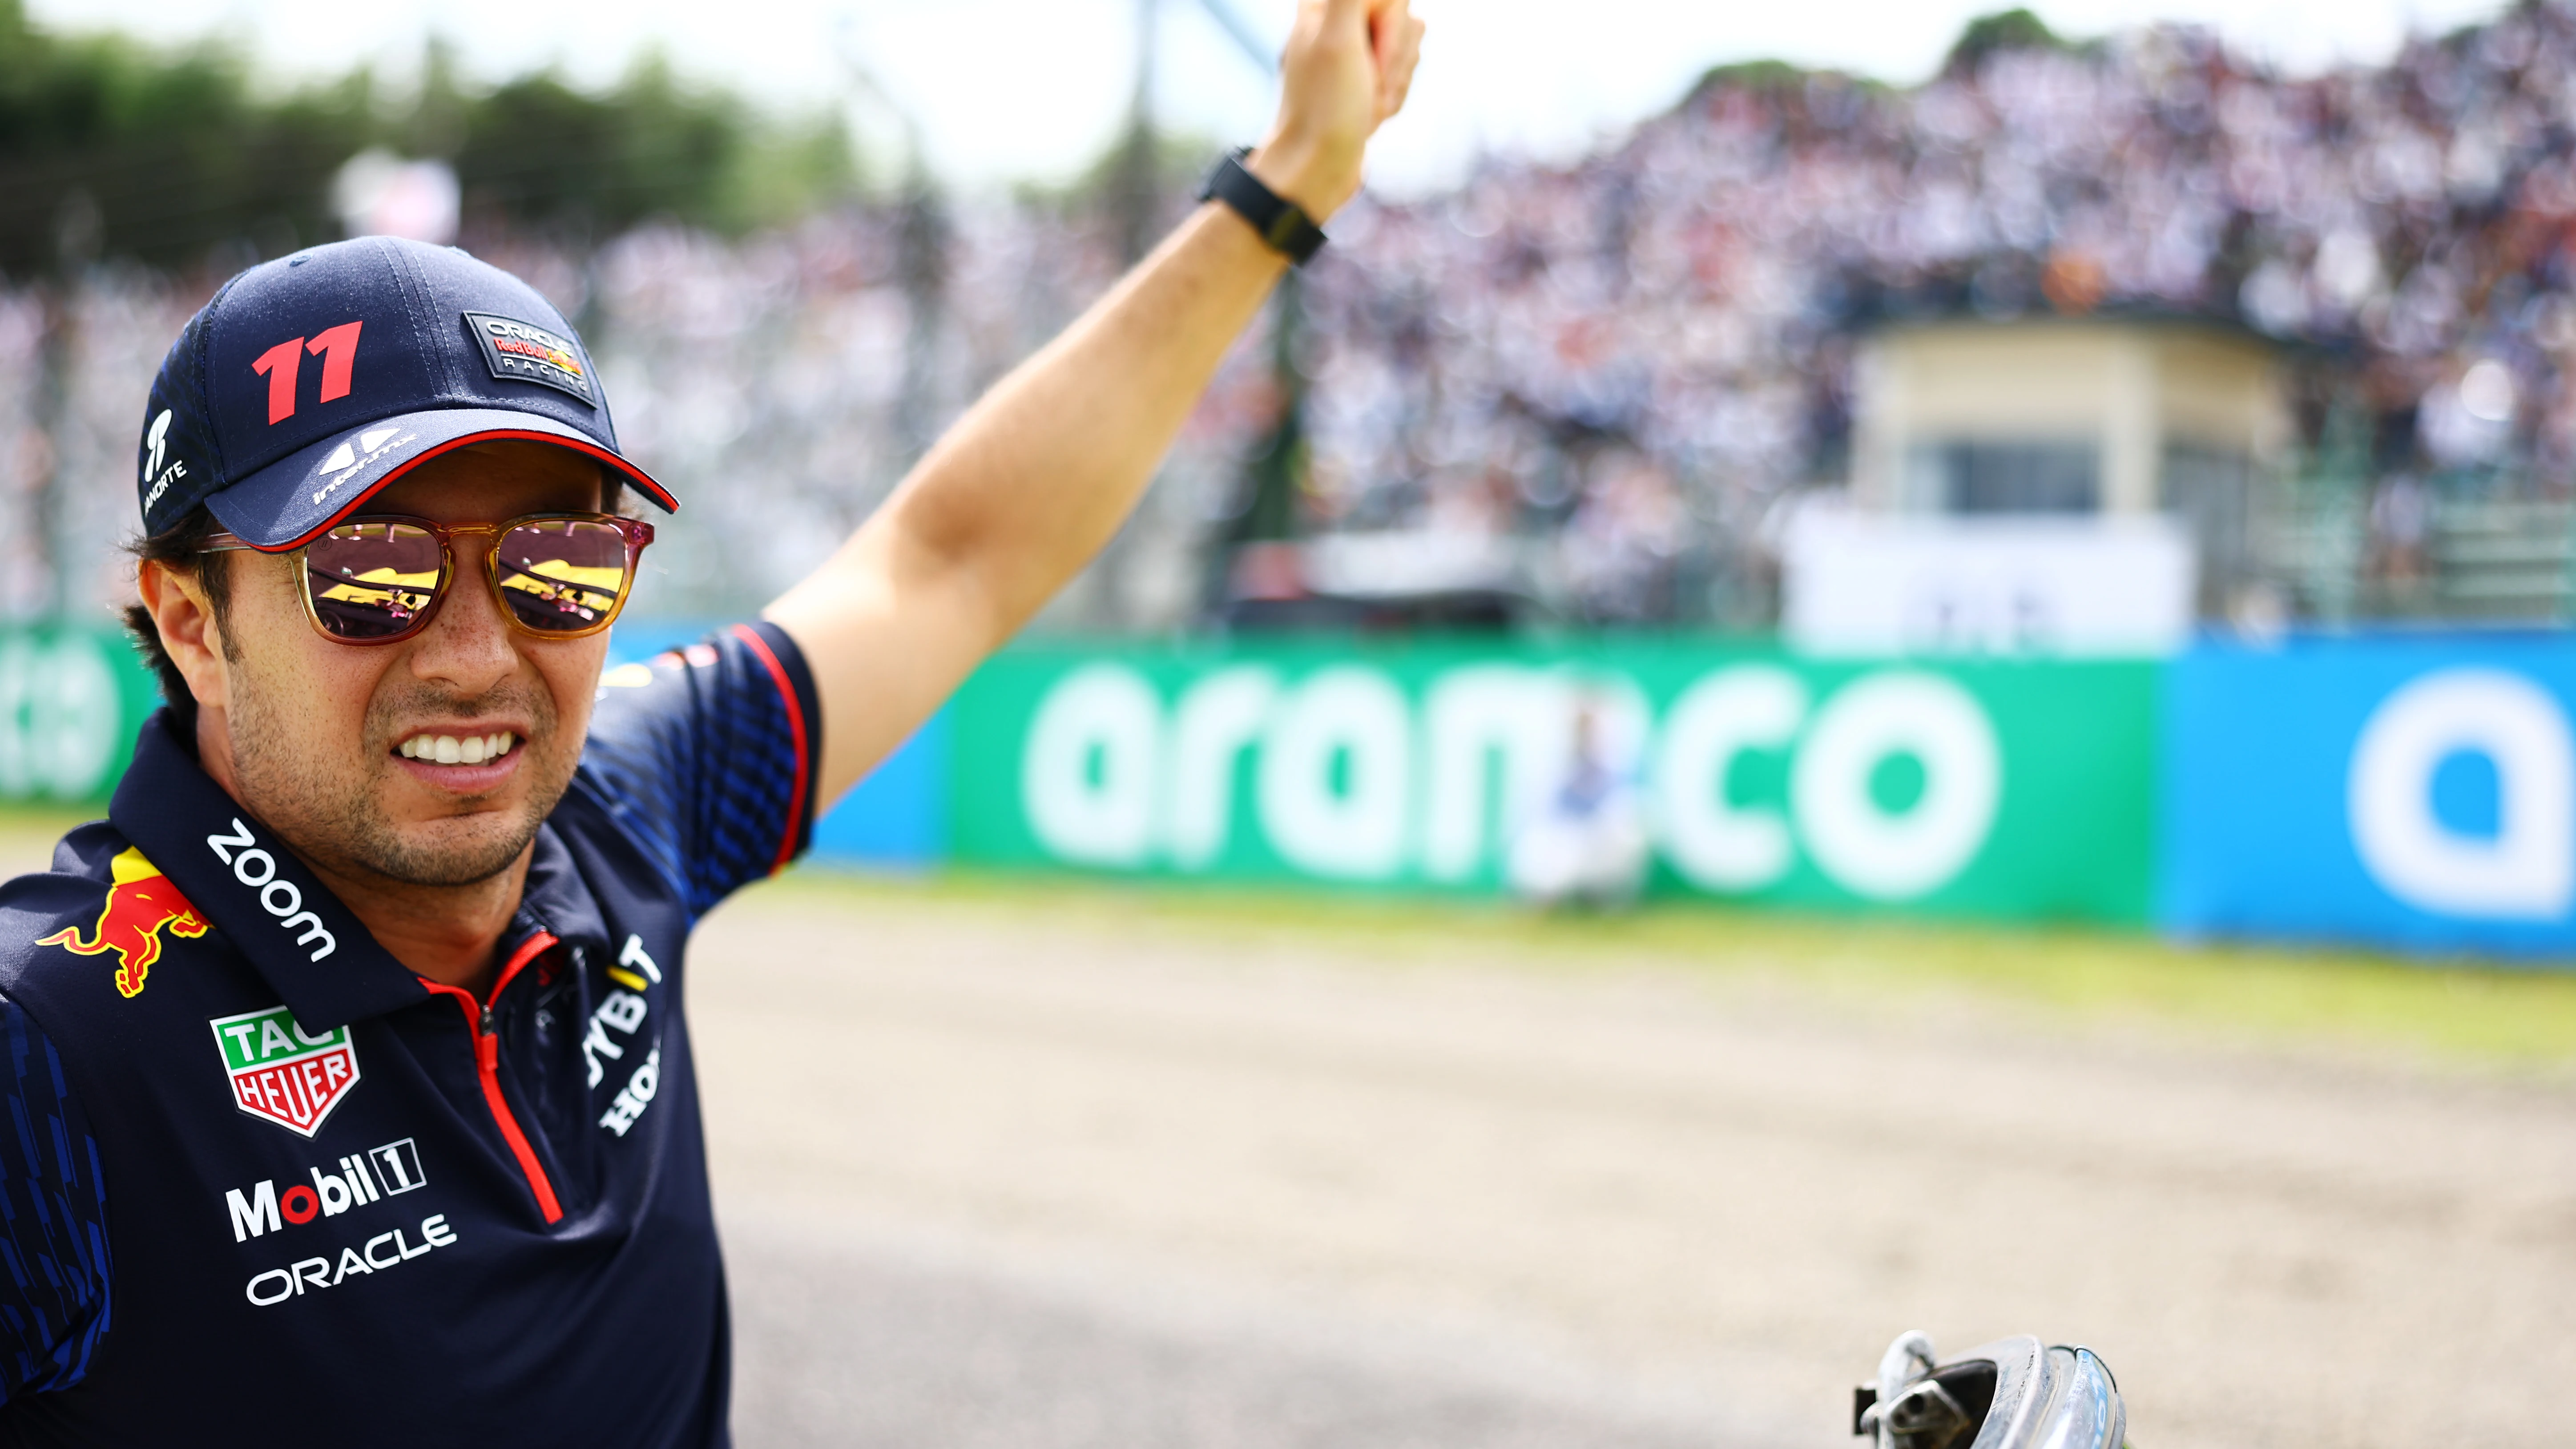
(2005, 477)
(2205, 489)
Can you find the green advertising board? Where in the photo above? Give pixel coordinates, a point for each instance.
(2018, 790)
(71, 699)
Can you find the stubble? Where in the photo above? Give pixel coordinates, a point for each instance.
(332, 809)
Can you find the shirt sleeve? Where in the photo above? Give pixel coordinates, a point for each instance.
(706, 757)
(53, 1221)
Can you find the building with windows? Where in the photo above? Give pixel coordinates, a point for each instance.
(2046, 486)
(2106, 417)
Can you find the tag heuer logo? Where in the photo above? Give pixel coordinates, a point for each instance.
(281, 1073)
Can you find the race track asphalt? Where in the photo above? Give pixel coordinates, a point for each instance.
(1005, 1172)
(888, 1343)
(995, 1173)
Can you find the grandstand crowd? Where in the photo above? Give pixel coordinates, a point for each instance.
(1642, 351)
(1619, 365)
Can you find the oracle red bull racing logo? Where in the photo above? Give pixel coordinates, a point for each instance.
(284, 1073)
(522, 352)
(141, 903)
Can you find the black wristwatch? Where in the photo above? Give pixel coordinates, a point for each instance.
(1282, 223)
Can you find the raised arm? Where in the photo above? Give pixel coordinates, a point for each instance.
(1038, 475)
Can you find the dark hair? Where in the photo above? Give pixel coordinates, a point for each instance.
(177, 548)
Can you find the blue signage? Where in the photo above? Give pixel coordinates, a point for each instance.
(2413, 793)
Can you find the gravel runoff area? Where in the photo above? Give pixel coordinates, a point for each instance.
(1020, 1172)
(1005, 1171)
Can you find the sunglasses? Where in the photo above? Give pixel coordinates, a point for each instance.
(380, 580)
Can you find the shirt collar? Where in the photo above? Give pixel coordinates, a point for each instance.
(319, 959)
(556, 899)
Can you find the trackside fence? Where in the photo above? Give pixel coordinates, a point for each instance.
(2415, 792)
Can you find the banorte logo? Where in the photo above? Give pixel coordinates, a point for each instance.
(140, 904)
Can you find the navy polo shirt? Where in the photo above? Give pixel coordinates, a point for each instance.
(261, 1184)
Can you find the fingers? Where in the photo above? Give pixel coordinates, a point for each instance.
(1399, 85)
(1399, 51)
(1388, 21)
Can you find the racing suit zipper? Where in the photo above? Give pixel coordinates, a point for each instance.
(487, 1065)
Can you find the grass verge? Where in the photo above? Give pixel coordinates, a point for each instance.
(28, 833)
(2461, 1012)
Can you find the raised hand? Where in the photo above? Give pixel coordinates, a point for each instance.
(1348, 67)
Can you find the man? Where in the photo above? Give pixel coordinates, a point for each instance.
(1585, 843)
(350, 1093)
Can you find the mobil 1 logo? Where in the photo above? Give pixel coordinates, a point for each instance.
(352, 1182)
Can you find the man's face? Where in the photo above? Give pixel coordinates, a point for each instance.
(317, 728)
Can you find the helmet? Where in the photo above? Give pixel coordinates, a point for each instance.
(2014, 1393)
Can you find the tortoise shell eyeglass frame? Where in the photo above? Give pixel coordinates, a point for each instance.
(381, 578)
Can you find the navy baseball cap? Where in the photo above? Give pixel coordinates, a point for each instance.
(311, 382)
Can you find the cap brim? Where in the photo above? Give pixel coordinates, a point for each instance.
(286, 504)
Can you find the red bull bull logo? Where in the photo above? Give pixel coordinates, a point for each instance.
(140, 904)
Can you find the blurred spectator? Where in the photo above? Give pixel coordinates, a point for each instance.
(1622, 364)
(1685, 294)
(2401, 517)
(1586, 842)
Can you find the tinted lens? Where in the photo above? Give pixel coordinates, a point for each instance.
(372, 580)
(562, 576)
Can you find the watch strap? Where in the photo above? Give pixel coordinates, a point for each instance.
(1281, 223)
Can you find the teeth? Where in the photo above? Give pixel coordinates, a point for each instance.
(450, 750)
